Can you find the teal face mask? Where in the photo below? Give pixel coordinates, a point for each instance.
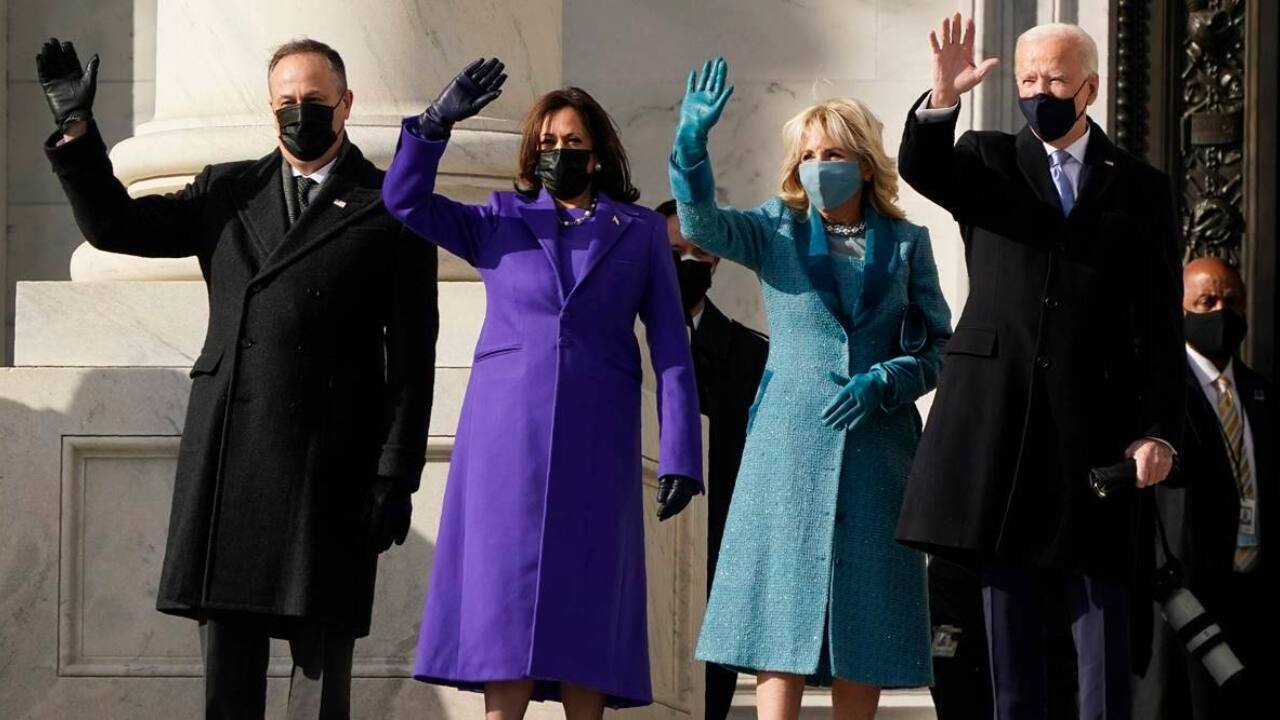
(830, 183)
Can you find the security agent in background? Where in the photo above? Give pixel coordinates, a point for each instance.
(728, 360)
(1214, 518)
(307, 422)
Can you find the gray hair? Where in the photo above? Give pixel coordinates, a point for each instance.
(1083, 40)
(304, 46)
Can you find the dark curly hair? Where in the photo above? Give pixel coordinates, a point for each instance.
(614, 176)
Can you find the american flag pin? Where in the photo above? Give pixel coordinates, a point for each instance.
(340, 203)
(615, 219)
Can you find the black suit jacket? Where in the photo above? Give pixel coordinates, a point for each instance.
(1069, 349)
(728, 361)
(1200, 513)
(1203, 532)
(315, 377)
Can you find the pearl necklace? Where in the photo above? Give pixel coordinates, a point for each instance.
(845, 230)
(585, 216)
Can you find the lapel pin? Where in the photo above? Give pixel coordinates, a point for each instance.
(340, 203)
(615, 220)
(1260, 395)
(1110, 162)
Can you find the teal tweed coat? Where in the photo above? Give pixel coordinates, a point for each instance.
(810, 580)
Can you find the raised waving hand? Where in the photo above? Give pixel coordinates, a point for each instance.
(954, 72)
(704, 100)
(479, 84)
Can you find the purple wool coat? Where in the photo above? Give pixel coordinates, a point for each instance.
(539, 567)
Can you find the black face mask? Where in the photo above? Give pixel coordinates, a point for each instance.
(564, 172)
(1051, 117)
(306, 129)
(695, 280)
(1216, 335)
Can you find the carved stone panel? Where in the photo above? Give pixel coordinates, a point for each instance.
(1212, 103)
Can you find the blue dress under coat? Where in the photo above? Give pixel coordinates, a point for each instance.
(810, 580)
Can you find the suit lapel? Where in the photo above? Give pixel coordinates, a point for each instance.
(261, 207)
(1099, 168)
(344, 197)
(608, 225)
(1034, 164)
(540, 216)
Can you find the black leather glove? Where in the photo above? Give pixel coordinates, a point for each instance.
(674, 494)
(68, 88)
(479, 84)
(390, 510)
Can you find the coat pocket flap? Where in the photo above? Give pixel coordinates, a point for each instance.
(972, 341)
(494, 351)
(207, 363)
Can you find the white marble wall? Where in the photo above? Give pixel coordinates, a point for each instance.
(40, 233)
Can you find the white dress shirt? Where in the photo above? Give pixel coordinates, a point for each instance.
(319, 175)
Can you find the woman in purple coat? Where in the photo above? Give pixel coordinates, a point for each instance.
(538, 588)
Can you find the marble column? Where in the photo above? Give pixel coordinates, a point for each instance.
(211, 101)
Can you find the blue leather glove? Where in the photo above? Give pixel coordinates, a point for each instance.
(857, 399)
(704, 100)
(674, 494)
(479, 84)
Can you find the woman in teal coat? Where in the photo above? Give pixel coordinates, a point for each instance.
(811, 585)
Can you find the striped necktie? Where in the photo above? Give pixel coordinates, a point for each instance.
(1233, 433)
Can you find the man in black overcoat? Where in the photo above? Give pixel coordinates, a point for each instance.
(1214, 518)
(728, 360)
(307, 422)
(1068, 356)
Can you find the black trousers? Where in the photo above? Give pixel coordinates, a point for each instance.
(236, 651)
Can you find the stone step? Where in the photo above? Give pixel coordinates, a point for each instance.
(894, 704)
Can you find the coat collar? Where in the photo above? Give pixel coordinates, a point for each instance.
(610, 221)
(882, 244)
(1099, 168)
(876, 268)
(350, 192)
(1095, 176)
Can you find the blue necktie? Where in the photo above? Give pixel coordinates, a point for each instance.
(1058, 170)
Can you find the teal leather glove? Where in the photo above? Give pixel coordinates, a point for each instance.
(704, 100)
(857, 399)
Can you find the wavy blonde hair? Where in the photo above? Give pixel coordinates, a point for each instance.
(851, 125)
